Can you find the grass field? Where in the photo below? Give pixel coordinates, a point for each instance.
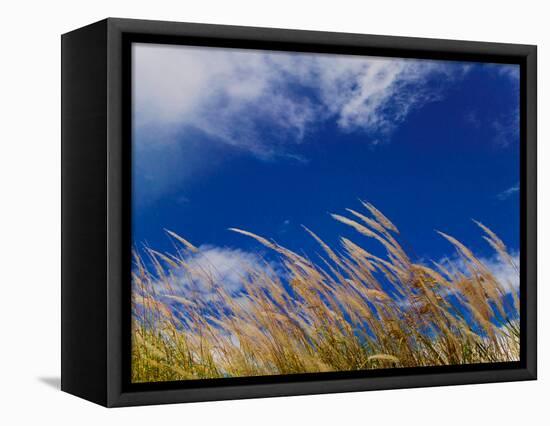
(349, 310)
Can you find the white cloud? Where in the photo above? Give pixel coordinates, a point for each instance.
(223, 266)
(210, 268)
(231, 93)
(506, 128)
(222, 93)
(228, 267)
(262, 103)
(507, 193)
(504, 271)
(509, 70)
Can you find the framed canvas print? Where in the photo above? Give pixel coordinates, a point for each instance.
(252, 212)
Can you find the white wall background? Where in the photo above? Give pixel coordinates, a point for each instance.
(30, 211)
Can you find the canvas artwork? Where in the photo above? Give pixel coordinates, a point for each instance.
(298, 213)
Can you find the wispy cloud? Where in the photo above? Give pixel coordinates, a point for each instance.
(509, 70)
(507, 193)
(231, 93)
(506, 128)
(472, 118)
(505, 272)
(213, 265)
(266, 103)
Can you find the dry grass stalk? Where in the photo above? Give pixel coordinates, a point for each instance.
(352, 311)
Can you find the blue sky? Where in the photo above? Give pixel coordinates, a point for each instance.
(268, 141)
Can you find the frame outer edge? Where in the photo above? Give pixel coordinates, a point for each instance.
(531, 209)
(116, 396)
(83, 233)
(115, 225)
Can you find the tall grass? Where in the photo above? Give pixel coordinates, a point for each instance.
(350, 310)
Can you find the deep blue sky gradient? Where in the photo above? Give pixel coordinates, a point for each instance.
(450, 161)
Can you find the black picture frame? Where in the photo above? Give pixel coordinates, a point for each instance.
(96, 216)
